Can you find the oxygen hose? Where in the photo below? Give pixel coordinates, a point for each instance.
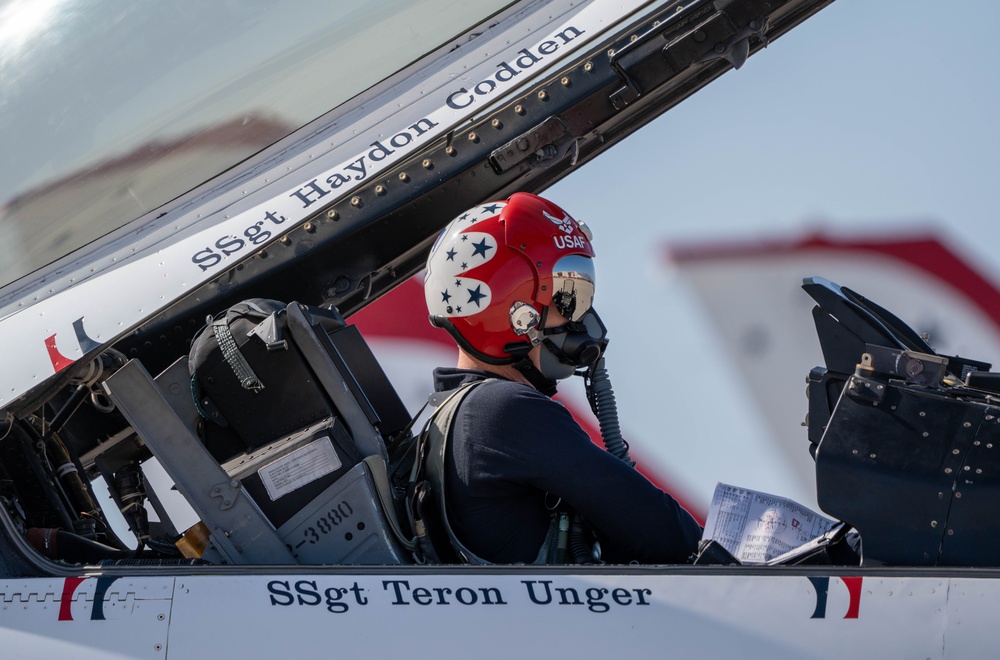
(602, 402)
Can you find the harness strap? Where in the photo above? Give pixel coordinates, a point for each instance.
(435, 438)
(244, 373)
(380, 477)
(437, 431)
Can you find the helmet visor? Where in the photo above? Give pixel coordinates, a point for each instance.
(573, 286)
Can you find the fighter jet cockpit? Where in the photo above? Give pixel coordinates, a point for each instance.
(287, 444)
(162, 406)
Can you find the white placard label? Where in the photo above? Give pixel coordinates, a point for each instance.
(300, 467)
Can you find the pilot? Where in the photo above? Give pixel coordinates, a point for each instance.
(513, 283)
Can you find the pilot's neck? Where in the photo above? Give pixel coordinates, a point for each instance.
(467, 361)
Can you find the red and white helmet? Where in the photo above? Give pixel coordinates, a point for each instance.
(496, 268)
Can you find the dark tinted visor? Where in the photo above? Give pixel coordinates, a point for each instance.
(573, 286)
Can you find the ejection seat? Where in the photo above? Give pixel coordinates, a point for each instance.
(906, 441)
(308, 483)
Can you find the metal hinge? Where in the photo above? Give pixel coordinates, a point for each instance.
(545, 142)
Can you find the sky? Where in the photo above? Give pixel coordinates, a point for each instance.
(871, 116)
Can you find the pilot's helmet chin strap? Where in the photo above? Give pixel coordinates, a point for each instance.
(518, 357)
(534, 376)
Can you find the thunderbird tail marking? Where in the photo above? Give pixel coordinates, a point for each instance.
(86, 343)
(59, 361)
(853, 584)
(822, 587)
(66, 602)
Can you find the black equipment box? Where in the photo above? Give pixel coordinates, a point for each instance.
(917, 472)
(287, 394)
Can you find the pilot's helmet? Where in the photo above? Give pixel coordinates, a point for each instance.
(495, 270)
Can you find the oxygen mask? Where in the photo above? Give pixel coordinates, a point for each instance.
(573, 345)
